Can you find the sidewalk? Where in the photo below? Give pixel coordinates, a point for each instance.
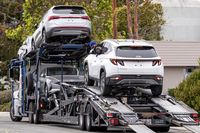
(4, 114)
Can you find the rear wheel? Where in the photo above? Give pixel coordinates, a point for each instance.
(12, 117)
(104, 89)
(156, 90)
(88, 81)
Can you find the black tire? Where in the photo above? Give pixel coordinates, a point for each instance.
(81, 119)
(29, 82)
(161, 129)
(156, 90)
(105, 90)
(44, 37)
(30, 115)
(88, 81)
(88, 120)
(12, 117)
(36, 115)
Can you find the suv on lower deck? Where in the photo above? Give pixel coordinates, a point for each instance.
(122, 64)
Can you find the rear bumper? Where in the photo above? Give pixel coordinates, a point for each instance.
(67, 31)
(134, 80)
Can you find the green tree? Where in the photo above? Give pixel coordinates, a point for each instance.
(188, 90)
(150, 17)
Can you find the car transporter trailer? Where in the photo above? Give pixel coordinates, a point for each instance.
(134, 109)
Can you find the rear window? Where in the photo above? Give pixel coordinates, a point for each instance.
(136, 52)
(68, 10)
(57, 71)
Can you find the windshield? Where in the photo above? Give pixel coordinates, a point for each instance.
(68, 10)
(136, 52)
(57, 71)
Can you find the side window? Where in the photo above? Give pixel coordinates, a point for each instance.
(106, 48)
(93, 50)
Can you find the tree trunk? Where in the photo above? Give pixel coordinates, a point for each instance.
(129, 20)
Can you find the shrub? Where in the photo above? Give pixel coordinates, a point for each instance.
(5, 96)
(188, 90)
(5, 107)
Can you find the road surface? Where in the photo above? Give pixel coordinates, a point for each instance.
(7, 126)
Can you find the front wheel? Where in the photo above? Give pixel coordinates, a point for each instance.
(104, 89)
(156, 90)
(81, 118)
(30, 115)
(12, 117)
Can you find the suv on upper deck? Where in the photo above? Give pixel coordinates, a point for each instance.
(122, 64)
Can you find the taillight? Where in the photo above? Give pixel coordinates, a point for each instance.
(116, 62)
(53, 17)
(195, 116)
(85, 17)
(156, 62)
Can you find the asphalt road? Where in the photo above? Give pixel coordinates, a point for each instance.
(7, 126)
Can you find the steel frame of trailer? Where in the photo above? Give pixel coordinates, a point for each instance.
(82, 105)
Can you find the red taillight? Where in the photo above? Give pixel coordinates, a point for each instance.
(195, 116)
(109, 115)
(156, 62)
(85, 17)
(53, 17)
(114, 121)
(116, 62)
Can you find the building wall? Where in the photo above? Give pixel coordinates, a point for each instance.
(182, 20)
(172, 77)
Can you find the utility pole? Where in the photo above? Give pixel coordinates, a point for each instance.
(114, 19)
(129, 20)
(136, 35)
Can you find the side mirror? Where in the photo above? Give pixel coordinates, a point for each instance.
(98, 50)
(35, 26)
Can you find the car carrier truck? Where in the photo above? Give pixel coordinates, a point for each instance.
(74, 103)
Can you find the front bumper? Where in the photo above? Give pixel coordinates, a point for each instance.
(134, 80)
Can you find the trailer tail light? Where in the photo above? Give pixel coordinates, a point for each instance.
(114, 121)
(109, 115)
(156, 62)
(116, 62)
(195, 116)
(53, 17)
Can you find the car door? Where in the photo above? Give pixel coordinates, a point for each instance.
(97, 63)
(101, 59)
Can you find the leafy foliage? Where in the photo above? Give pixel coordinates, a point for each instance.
(188, 90)
(150, 17)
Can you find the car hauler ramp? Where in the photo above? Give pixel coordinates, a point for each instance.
(181, 114)
(110, 105)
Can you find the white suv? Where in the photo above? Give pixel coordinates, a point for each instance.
(122, 64)
(65, 22)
